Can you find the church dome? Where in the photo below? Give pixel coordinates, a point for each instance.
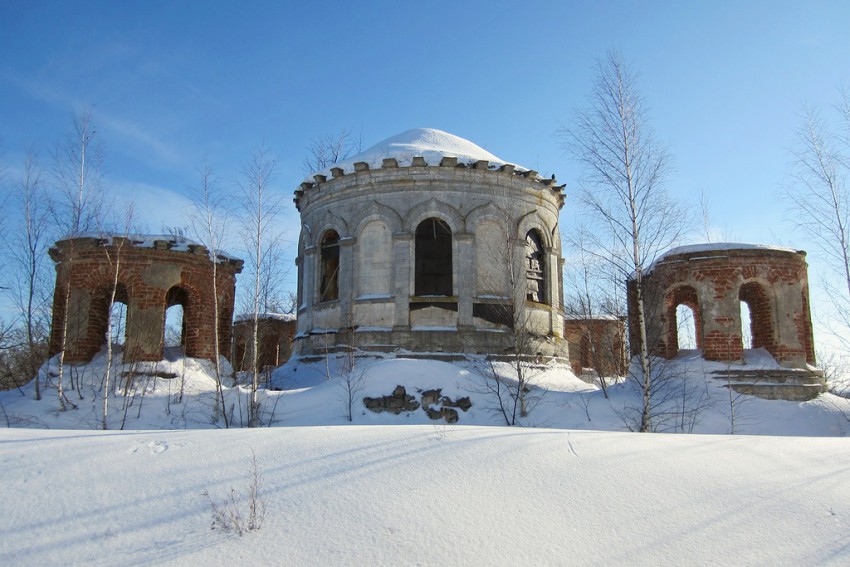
(428, 143)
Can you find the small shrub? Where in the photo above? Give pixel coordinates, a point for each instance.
(230, 514)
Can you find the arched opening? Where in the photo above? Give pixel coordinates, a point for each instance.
(686, 330)
(118, 323)
(433, 258)
(535, 268)
(746, 326)
(329, 281)
(118, 316)
(755, 306)
(107, 316)
(683, 320)
(176, 303)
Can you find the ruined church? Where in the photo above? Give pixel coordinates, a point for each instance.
(427, 245)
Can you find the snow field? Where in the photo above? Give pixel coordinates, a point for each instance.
(420, 495)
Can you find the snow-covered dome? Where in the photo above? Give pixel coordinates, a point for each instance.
(428, 143)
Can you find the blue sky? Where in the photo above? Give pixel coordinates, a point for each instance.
(171, 82)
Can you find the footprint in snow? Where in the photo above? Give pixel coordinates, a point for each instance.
(155, 447)
(158, 447)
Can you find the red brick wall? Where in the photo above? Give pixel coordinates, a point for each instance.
(85, 272)
(608, 336)
(773, 283)
(275, 342)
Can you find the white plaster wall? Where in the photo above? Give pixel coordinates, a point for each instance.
(373, 269)
(491, 276)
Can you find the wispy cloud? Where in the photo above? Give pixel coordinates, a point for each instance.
(156, 209)
(148, 146)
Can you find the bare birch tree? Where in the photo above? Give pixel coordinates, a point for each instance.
(622, 189)
(114, 262)
(77, 207)
(27, 251)
(328, 150)
(819, 196)
(208, 223)
(261, 207)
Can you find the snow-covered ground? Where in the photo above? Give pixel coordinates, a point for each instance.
(180, 393)
(420, 495)
(403, 489)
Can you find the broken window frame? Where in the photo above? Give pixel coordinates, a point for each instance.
(329, 267)
(535, 268)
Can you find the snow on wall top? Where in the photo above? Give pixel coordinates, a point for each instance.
(266, 315)
(176, 243)
(716, 247)
(431, 144)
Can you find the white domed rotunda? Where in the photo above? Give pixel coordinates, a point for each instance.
(428, 243)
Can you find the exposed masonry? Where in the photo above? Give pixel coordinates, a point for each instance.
(773, 282)
(417, 258)
(275, 335)
(152, 276)
(598, 344)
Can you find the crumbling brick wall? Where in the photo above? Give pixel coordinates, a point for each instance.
(153, 275)
(773, 282)
(597, 343)
(275, 341)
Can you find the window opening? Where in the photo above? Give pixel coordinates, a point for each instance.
(118, 316)
(746, 326)
(756, 317)
(329, 285)
(685, 327)
(535, 268)
(174, 332)
(433, 258)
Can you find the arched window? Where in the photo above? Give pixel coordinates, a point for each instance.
(686, 329)
(176, 303)
(535, 268)
(329, 282)
(118, 315)
(683, 320)
(433, 258)
(755, 296)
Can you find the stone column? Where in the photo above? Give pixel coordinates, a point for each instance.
(403, 279)
(346, 281)
(309, 290)
(464, 268)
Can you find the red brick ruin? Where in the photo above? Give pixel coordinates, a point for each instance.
(154, 273)
(275, 333)
(713, 281)
(598, 343)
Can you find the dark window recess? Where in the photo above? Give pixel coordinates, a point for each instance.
(496, 313)
(433, 258)
(329, 284)
(535, 273)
